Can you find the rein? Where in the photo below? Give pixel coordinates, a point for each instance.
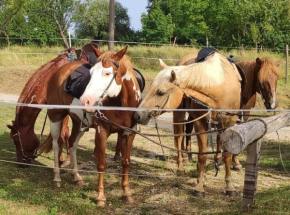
(25, 158)
(105, 119)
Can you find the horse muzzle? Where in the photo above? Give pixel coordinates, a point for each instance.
(271, 105)
(142, 117)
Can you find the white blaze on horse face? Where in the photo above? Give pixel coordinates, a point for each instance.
(100, 80)
(273, 105)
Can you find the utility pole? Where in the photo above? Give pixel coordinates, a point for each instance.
(112, 25)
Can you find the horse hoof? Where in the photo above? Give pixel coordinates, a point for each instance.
(128, 199)
(238, 167)
(65, 164)
(79, 183)
(198, 194)
(116, 158)
(57, 184)
(180, 172)
(101, 203)
(231, 193)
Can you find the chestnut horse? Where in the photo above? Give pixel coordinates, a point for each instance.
(34, 92)
(22, 128)
(114, 75)
(262, 76)
(215, 83)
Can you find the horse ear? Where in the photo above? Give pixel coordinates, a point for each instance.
(258, 61)
(279, 63)
(97, 51)
(162, 64)
(118, 56)
(173, 76)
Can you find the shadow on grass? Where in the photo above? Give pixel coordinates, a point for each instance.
(153, 195)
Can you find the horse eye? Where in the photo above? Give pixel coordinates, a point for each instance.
(160, 93)
(107, 73)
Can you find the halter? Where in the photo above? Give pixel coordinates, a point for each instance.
(24, 157)
(100, 102)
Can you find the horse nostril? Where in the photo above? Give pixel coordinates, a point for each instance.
(87, 102)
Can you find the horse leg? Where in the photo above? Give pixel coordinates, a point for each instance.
(237, 165)
(100, 153)
(127, 141)
(230, 189)
(60, 144)
(188, 130)
(178, 129)
(65, 134)
(117, 155)
(201, 126)
(55, 133)
(218, 156)
(74, 140)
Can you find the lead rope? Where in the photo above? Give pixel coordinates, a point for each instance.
(156, 127)
(44, 123)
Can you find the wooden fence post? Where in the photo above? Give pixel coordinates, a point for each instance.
(286, 72)
(251, 176)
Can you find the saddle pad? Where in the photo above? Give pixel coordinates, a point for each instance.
(77, 82)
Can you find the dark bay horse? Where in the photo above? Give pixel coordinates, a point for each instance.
(262, 76)
(34, 92)
(113, 72)
(216, 83)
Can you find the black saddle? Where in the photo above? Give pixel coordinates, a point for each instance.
(77, 82)
(205, 53)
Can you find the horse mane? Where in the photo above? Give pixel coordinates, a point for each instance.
(209, 73)
(32, 83)
(268, 67)
(125, 60)
(36, 76)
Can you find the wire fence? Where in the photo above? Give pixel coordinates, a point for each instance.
(156, 44)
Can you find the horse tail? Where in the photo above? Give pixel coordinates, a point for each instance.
(46, 147)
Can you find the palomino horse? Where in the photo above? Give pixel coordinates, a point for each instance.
(114, 75)
(22, 128)
(215, 83)
(262, 76)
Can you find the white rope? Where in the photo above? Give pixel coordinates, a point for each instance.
(135, 175)
(44, 106)
(153, 44)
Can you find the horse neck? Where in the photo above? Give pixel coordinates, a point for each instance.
(252, 82)
(35, 91)
(129, 95)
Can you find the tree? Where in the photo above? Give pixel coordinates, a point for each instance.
(9, 9)
(91, 18)
(157, 27)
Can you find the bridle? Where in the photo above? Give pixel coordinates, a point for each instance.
(100, 102)
(24, 157)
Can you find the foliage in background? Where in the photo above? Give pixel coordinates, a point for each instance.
(226, 23)
(92, 20)
(262, 23)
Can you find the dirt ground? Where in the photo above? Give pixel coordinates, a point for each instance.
(157, 186)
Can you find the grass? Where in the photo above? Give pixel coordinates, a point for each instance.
(155, 186)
